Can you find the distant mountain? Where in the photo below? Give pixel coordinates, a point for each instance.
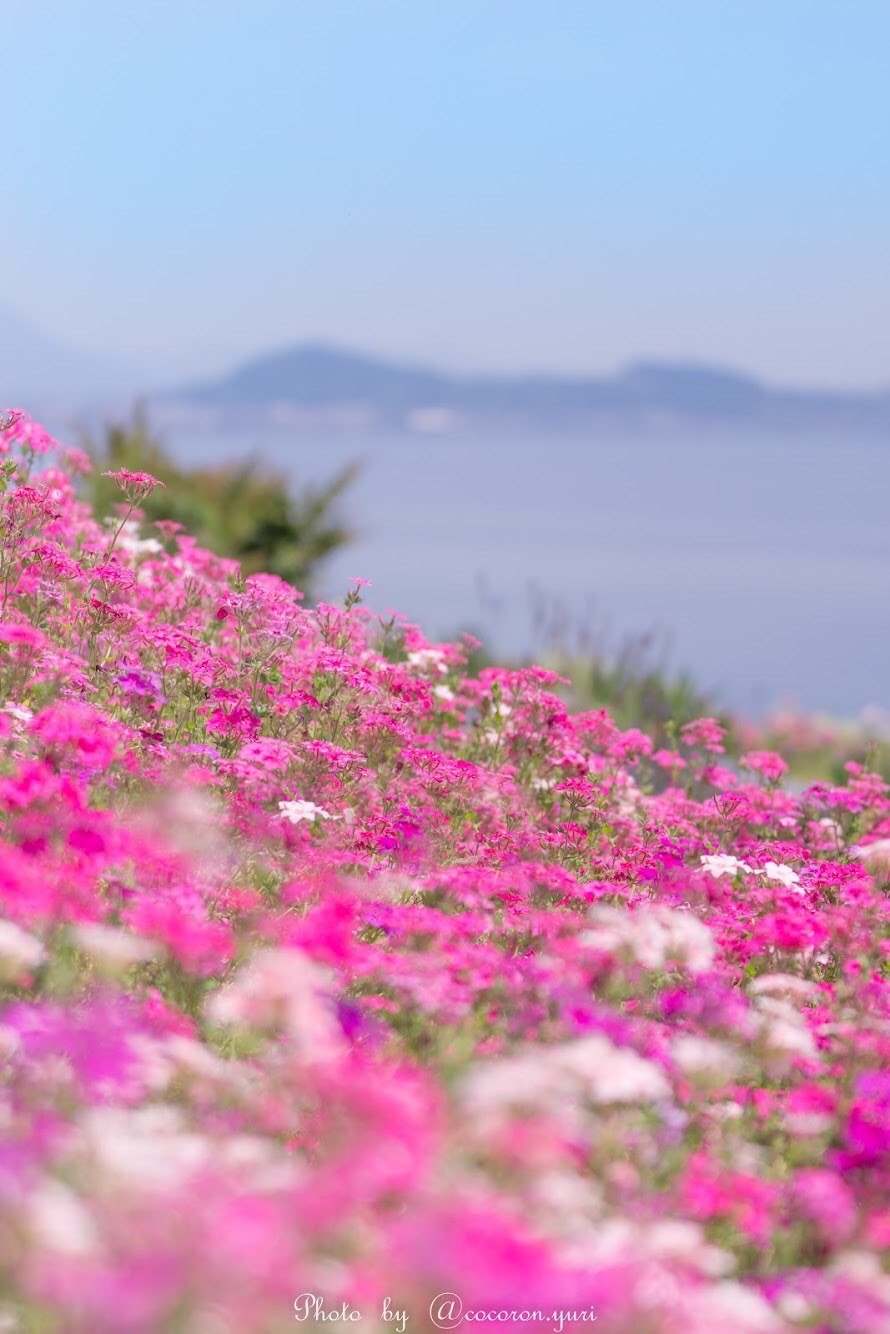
(316, 386)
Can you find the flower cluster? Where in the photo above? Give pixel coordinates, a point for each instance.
(327, 967)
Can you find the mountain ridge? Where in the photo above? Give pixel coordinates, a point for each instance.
(316, 383)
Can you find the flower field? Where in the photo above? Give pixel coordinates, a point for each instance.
(335, 980)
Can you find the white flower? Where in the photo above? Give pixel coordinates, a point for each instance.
(283, 987)
(144, 1148)
(560, 1081)
(794, 1307)
(295, 811)
(727, 1305)
(443, 692)
(609, 1073)
(875, 854)
(682, 1240)
(191, 1057)
(784, 874)
(130, 541)
(567, 1196)
(18, 711)
(653, 935)
(629, 797)
(804, 1124)
(428, 660)
(721, 863)
(726, 1111)
(832, 826)
(784, 1029)
(862, 1268)
(18, 950)
(111, 946)
(58, 1221)
(153, 1068)
(695, 1056)
(783, 984)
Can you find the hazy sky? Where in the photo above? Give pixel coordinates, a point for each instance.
(563, 184)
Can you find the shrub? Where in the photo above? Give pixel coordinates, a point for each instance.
(244, 510)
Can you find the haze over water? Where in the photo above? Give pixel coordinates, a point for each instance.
(493, 188)
(763, 564)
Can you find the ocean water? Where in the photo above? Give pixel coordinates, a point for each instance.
(761, 565)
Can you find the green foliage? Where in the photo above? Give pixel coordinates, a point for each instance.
(631, 679)
(244, 510)
(640, 692)
(478, 655)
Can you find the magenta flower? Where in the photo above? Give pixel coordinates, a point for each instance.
(136, 486)
(334, 970)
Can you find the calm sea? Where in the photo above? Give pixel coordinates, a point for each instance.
(761, 565)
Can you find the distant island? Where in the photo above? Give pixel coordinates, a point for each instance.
(318, 388)
(313, 386)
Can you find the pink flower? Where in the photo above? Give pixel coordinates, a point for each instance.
(765, 762)
(136, 486)
(482, 1022)
(9, 418)
(704, 732)
(827, 1201)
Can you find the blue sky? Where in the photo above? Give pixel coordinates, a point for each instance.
(487, 184)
